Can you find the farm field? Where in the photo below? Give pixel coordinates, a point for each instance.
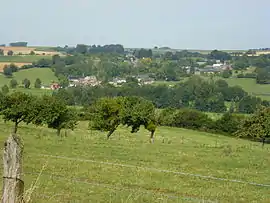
(44, 74)
(22, 59)
(181, 166)
(27, 50)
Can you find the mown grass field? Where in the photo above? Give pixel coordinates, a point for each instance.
(23, 59)
(85, 167)
(44, 74)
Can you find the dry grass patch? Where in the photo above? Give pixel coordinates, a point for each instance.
(27, 50)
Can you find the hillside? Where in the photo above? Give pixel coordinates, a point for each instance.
(45, 75)
(181, 166)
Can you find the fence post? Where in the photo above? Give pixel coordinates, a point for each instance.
(13, 186)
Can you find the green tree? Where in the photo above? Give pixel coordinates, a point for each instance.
(10, 53)
(55, 114)
(56, 59)
(226, 73)
(13, 67)
(5, 89)
(17, 107)
(106, 114)
(32, 53)
(249, 104)
(13, 83)
(257, 126)
(7, 71)
(63, 81)
(26, 83)
(38, 83)
(137, 111)
(109, 113)
(1, 52)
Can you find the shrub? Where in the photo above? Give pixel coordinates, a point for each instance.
(192, 119)
(229, 123)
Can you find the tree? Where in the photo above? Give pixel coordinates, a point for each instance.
(38, 83)
(17, 107)
(256, 126)
(32, 53)
(56, 59)
(10, 53)
(81, 48)
(63, 81)
(13, 67)
(13, 83)
(109, 113)
(248, 104)
(220, 55)
(226, 73)
(7, 71)
(5, 89)
(26, 83)
(1, 52)
(18, 44)
(106, 114)
(55, 114)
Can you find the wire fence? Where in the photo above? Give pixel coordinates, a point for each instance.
(158, 170)
(183, 196)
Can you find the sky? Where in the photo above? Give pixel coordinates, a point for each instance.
(181, 24)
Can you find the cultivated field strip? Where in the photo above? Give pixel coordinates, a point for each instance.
(158, 170)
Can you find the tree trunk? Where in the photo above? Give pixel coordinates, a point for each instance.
(263, 142)
(152, 137)
(13, 186)
(110, 133)
(15, 127)
(58, 132)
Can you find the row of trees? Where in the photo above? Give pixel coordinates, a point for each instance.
(196, 93)
(255, 127)
(13, 84)
(19, 107)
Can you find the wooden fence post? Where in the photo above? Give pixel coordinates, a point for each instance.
(13, 186)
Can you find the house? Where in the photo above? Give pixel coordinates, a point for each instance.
(88, 80)
(117, 81)
(55, 86)
(145, 79)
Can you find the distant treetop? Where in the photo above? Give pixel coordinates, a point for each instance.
(18, 44)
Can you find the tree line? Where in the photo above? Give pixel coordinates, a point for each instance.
(195, 93)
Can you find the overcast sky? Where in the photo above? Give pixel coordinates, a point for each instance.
(183, 24)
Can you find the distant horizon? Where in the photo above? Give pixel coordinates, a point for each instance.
(172, 48)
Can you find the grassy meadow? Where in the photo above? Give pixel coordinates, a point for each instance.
(85, 167)
(23, 59)
(44, 74)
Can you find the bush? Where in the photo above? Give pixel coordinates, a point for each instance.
(229, 123)
(189, 118)
(165, 117)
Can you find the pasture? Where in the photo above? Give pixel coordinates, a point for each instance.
(44, 74)
(181, 166)
(22, 59)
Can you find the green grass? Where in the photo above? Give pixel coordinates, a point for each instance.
(23, 59)
(81, 174)
(41, 48)
(45, 74)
